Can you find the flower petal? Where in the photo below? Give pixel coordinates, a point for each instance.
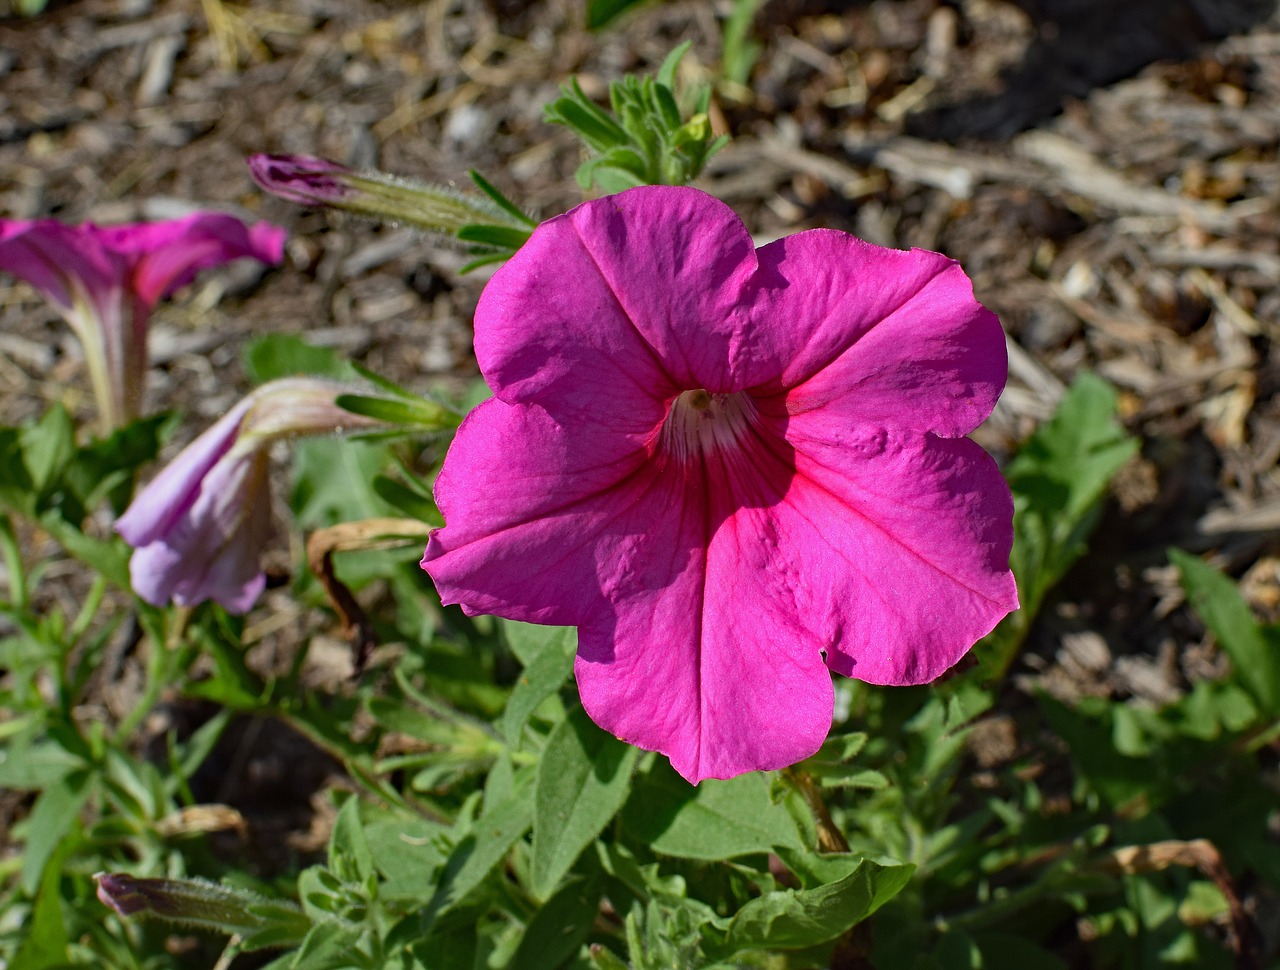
(900, 548)
(880, 336)
(624, 302)
(61, 261)
(212, 551)
(548, 495)
(688, 639)
(170, 495)
(167, 255)
(716, 668)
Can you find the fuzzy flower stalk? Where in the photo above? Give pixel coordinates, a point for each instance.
(734, 470)
(308, 180)
(199, 527)
(106, 280)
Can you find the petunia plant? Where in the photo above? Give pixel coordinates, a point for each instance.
(703, 659)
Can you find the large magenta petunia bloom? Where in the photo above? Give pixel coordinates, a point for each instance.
(106, 280)
(731, 469)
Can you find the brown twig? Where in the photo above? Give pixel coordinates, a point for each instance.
(348, 537)
(1246, 941)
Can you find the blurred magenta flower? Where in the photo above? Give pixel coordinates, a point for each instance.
(199, 527)
(107, 279)
(731, 469)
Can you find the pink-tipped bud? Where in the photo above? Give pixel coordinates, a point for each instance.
(304, 179)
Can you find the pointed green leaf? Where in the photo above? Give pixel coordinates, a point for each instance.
(560, 925)
(798, 918)
(52, 817)
(541, 678)
(1254, 650)
(46, 941)
(503, 237)
(349, 855)
(583, 779)
(712, 821)
(601, 12)
(666, 76)
(420, 412)
(478, 852)
(501, 201)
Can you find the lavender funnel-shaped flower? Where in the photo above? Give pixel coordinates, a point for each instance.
(199, 527)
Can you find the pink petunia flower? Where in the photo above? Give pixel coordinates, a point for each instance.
(731, 469)
(107, 279)
(199, 527)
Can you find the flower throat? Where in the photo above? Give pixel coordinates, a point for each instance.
(700, 422)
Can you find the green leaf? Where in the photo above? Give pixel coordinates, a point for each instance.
(1254, 650)
(349, 855)
(503, 237)
(1067, 464)
(666, 76)
(16, 487)
(47, 447)
(52, 817)
(106, 465)
(328, 946)
(500, 200)
(406, 500)
(739, 53)
(601, 12)
(583, 779)
(560, 925)
(109, 557)
(332, 481)
(286, 355)
(408, 852)
(420, 412)
(542, 677)
(581, 115)
(46, 941)
(527, 640)
(712, 821)
(480, 850)
(484, 260)
(793, 918)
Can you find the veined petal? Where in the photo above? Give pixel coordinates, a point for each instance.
(900, 547)
(550, 497)
(212, 552)
(170, 495)
(65, 263)
(613, 308)
(879, 336)
(682, 266)
(726, 471)
(716, 667)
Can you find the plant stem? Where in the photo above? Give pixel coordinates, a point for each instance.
(830, 838)
(13, 565)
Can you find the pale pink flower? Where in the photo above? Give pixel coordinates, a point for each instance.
(731, 469)
(106, 280)
(199, 528)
